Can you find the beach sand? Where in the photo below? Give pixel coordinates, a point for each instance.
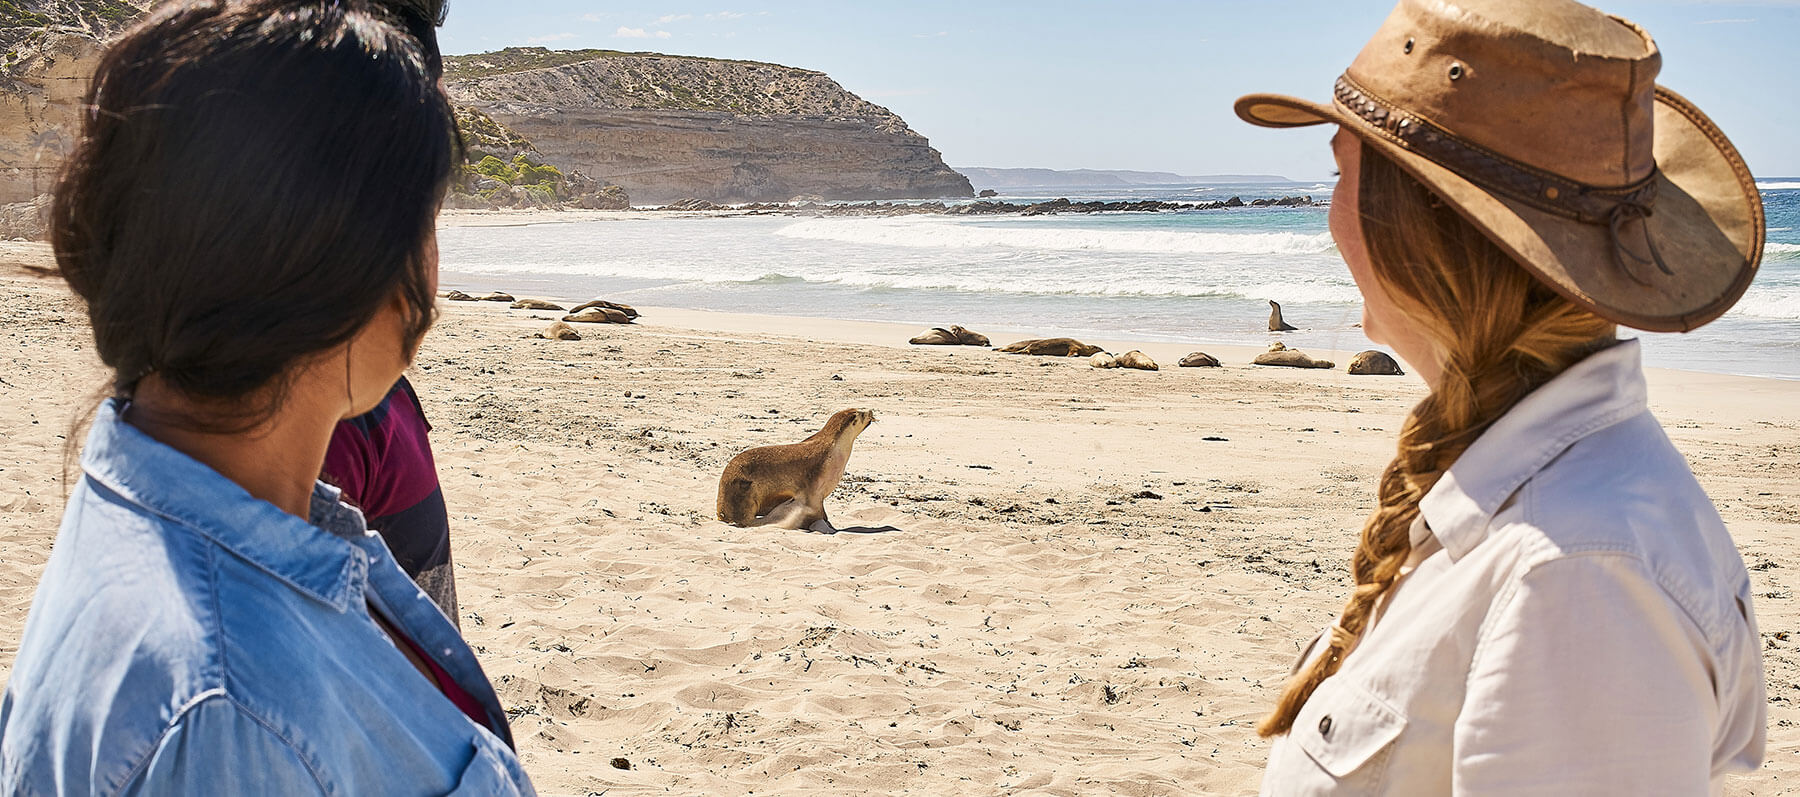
(1097, 583)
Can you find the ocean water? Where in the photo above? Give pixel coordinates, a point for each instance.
(1192, 276)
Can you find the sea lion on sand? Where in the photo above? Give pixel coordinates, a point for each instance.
(559, 331)
(1136, 359)
(497, 296)
(1280, 354)
(1199, 359)
(458, 296)
(1375, 363)
(627, 309)
(1051, 347)
(785, 486)
(598, 315)
(1275, 322)
(953, 336)
(535, 304)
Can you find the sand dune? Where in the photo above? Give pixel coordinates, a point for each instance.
(1085, 594)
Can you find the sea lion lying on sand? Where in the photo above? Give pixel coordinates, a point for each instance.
(954, 336)
(559, 331)
(1051, 347)
(1275, 322)
(1103, 360)
(535, 304)
(785, 486)
(458, 296)
(1280, 354)
(1199, 359)
(1375, 363)
(1136, 359)
(497, 296)
(627, 309)
(599, 315)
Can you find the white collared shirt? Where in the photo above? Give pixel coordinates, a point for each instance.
(1577, 621)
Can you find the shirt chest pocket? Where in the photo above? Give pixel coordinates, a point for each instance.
(1349, 733)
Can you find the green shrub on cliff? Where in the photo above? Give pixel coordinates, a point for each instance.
(496, 168)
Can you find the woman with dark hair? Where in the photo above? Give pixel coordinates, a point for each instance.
(248, 215)
(1545, 600)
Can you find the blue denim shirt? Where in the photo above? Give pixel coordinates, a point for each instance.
(187, 638)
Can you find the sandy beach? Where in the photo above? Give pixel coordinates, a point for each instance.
(1096, 582)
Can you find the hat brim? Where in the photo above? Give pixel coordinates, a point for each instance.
(1707, 225)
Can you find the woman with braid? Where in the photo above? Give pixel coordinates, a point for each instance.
(1545, 600)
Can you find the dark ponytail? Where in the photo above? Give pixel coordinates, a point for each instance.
(253, 181)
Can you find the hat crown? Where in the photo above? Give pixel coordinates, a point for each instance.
(1551, 84)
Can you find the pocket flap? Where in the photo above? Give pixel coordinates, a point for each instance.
(1342, 726)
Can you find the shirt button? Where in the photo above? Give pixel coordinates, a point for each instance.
(1325, 725)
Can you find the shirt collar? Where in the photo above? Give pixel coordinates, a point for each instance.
(316, 558)
(1591, 395)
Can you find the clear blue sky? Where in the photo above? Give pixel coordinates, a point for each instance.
(1129, 84)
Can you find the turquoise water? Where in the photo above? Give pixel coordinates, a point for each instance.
(1190, 276)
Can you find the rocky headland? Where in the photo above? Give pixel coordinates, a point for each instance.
(666, 127)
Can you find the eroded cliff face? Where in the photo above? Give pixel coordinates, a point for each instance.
(671, 127)
(50, 50)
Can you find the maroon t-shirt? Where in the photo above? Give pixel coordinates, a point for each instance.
(382, 461)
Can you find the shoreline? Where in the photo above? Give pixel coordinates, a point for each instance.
(1097, 581)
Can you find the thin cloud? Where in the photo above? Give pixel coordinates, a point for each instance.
(554, 37)
(668, 18)
(722, 15)
(593, 17)
(639, 33)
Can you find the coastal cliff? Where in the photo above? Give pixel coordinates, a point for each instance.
(50, 48)
(671, 127)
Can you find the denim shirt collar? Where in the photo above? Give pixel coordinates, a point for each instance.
(1602, 390)
(320, 559)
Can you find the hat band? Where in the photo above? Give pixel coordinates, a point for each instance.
(1543, 190)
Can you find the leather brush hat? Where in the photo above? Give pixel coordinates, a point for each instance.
(1540, 122)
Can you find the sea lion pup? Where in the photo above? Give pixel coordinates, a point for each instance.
(535, 304)
(1199, 359)
(1103, 360)
(1275, 322)
(1136, 359)
(785, 486)
(1051, 347)
(1375, 363)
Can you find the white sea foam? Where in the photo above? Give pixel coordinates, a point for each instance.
(1778, 185)
(942, 234)
(1784, 251)
(1781, 304)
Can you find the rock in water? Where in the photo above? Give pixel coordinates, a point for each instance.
(459, 296)
(598, 315)
(1137, 359)
(1275, 322)
(1051, 347)
(1199, 359)
(1103, 360)
(497, 296)
(559, 331)
(623, 308)
(535, 304)
(1375, 363)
